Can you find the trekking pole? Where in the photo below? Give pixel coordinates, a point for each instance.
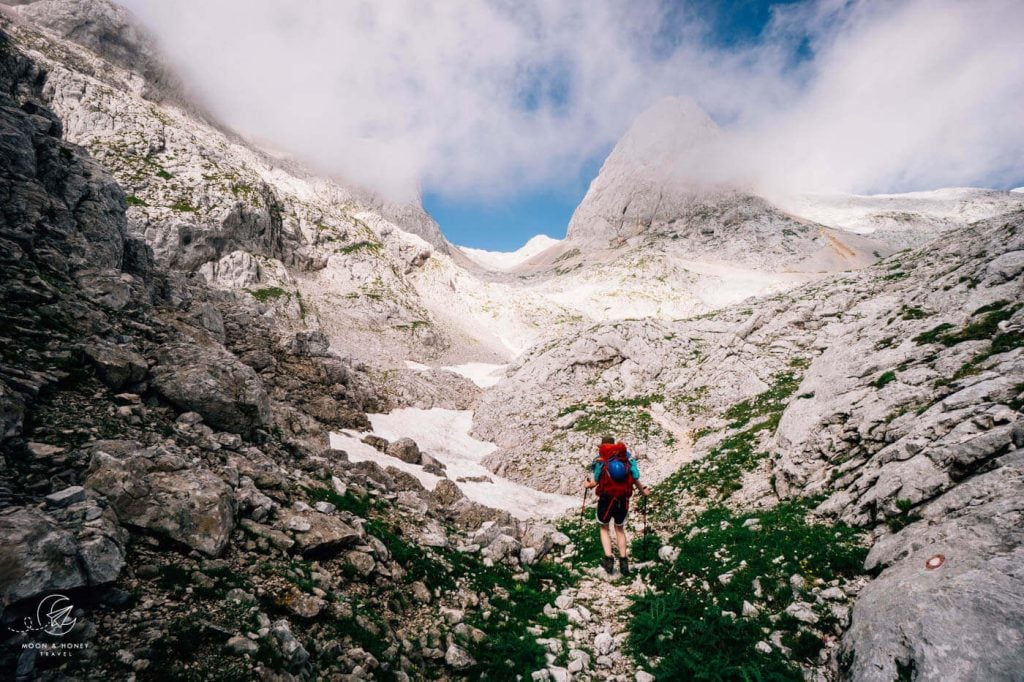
(646, 502)
(579, 531)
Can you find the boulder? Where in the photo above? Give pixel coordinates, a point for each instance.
(65, 497)
(276, 538)
(446, 493)
(116, 366)
(539, 538)
(211, 381)
(457, 657)
(294, 654)
(41, 553)
(317, 534)
(406, 450)
(308, 344)
(241, 645)
(376, 442)
(503, 548)
(156, 490)
(361, 562)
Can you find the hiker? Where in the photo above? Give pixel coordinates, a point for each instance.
(615, 476)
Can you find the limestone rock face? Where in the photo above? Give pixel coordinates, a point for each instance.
(203, 200)
(111, 32)
(962, 619)
(650, 173)
(156, 489)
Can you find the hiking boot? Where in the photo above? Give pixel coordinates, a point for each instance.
(624, 566)
(608, 564)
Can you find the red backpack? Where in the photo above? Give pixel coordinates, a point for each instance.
(606, 485)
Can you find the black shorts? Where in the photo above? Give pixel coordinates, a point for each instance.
(612, 509)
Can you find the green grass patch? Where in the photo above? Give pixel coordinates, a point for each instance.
(628, 417)
(133, 200)
(372, 247)
(161, 173)
(887, 342)
(720, 472)
(1017, 402)
(356, 504)
(267, 294)
(1001, 343)
(933, 334)
(910, 313)
(772, 400)
(904, 518)
(986, 327)
(183, 206)
(884, 379)
(991, 307)
(682, 625)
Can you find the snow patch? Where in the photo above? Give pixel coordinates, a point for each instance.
(482, 374)
(444, 434)
(863, 214)
(509, 260)
(417, 366)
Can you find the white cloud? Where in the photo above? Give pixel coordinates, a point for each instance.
(404, 94)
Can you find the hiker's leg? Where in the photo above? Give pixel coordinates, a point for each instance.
(620, 536)
(606, 540)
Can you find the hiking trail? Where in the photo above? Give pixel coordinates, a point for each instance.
(597, 608)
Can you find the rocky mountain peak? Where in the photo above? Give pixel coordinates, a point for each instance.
(655, 169)
(664, 135)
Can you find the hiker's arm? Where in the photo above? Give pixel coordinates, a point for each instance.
(592, 482)
(634, 469)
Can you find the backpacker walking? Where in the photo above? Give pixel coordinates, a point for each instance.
(615, 475)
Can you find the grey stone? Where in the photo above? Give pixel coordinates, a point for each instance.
(277, 538)
(116, 366)
(241, 645)
(211, 381)
(668, 553)
(457, 657)
(446, 492)
(405, 449)
(65, 497)
(45, 555)
(155, 489)
(362, 562)
(327, 534)
(961, 620)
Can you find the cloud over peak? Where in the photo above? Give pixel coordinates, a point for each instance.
(493, 98)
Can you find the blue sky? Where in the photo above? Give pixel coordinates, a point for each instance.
(506, 222)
